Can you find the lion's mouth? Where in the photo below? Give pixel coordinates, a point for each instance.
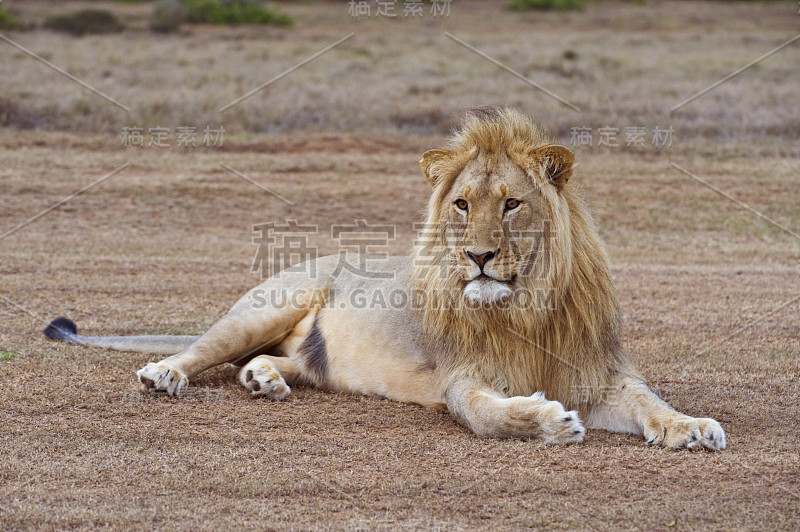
(484, 277)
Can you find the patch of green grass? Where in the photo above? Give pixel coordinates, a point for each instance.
(169, 15)
(86, 21)
(5, 356)
(233, 12)
(9, 21)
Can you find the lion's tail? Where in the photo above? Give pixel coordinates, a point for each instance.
(64, 329)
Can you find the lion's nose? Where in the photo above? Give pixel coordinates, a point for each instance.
(481, 259)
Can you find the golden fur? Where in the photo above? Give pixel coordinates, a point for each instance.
(574, 345)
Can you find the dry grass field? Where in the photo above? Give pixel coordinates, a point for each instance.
(710, 290)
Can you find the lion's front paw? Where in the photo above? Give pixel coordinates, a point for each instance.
(678, 431)
(161, 376)
(559, 425)
(536, 416)
(263, 380)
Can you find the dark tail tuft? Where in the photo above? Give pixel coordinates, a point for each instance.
(60, 329)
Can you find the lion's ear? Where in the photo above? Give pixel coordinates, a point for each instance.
(557, 162)
(436, 163)
(431, 163)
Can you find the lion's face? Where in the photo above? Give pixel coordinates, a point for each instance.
(497, 221)
(495, 212)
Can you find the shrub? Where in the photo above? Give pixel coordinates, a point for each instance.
(168, 15)
(233, 12)
(555, 5)
(13, 113)
(85, 21)
(9, 21)
(546, 5)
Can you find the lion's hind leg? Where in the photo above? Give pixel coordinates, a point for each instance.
(264, 376)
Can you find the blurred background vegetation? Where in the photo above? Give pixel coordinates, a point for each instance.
(178, 61)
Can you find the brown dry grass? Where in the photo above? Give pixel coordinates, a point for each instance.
(165, 246)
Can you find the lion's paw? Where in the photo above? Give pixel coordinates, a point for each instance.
(160, 376)
(536, 416)
(559, 425)
(263, 380)
(678, 431)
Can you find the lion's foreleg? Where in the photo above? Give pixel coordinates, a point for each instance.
(488, 413)
(630, 406)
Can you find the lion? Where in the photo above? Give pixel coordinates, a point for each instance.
(504, 313)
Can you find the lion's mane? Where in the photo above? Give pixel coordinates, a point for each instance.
(568, 348)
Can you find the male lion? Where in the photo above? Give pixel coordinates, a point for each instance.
(510, 320)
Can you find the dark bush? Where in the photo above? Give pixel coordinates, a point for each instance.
(86, 21)
(554, 5)
(546, 5)
(9, 21)
(168, 15)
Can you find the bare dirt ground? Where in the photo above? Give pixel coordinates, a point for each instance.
(709, 289)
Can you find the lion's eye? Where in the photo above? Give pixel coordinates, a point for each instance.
(512, 204)
(462, 204)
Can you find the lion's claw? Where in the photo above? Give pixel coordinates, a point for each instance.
(160, 376)
(684, 432)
